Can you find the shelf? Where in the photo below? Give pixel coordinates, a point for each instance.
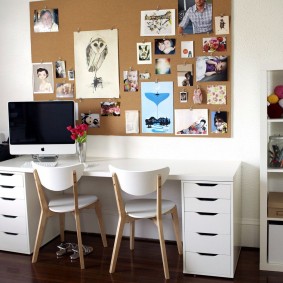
(275, 120)
(274, 170)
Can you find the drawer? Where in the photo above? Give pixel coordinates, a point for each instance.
(207, 205)
(12, 206)
(207, 243)
(13, 224)
(14, 242)
(207, 264)
(11, 179)
(218, 223)
(206, 190)
(12, 192)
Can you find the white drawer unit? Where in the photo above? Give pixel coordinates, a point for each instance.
(211, 230)
(19, 213)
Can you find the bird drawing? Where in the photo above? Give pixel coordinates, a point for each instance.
(96, 51)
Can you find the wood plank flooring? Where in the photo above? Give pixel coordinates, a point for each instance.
(144, 265)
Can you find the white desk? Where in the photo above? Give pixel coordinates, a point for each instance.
(211, 205)
(197, 170)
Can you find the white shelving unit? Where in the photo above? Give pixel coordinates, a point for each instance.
(271, 179)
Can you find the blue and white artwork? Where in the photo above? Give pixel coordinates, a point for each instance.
(157, 107)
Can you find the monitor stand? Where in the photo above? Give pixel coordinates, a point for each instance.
(45, 158)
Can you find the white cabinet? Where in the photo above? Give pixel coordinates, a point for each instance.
(211, 231)
(19, 213)
(271, 179)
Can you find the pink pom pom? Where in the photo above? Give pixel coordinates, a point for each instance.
(279, 91)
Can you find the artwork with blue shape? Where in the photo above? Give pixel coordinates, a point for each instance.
(157, 107)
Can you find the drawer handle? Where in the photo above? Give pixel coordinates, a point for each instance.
(13, 234)
(12, 199)
(207, 213)
(207, 199)
(206, 185)
(9, 216)
(205, 254)
(6, 174)
(7, 187)
(207, 234)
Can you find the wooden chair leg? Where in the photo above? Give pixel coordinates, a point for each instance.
(98, 212)
(39, 235)
(132, 235)
(116, 247)
(176, 227)
(79, 237)
(62, 226)
(163, 248)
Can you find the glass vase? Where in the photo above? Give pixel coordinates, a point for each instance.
(81, 150)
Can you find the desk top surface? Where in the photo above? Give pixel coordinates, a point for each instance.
(197, 170)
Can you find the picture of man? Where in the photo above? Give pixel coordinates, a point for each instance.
(199, 16)
(45, 20)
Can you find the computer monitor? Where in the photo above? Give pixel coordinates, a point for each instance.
(39, 128)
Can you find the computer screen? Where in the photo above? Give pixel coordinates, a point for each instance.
(40, 127)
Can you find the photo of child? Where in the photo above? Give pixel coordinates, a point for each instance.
(211, 68)
(219, 122)
(185, 76)
(131, 81)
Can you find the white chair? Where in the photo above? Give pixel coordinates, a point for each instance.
(141, 183)
(60, 179)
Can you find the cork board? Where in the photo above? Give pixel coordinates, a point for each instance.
(89, 15)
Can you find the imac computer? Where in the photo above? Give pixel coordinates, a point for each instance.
(39, 128)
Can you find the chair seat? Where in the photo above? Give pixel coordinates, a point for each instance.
(146, 208)
(65, 203)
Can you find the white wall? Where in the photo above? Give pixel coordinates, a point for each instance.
(257, 43)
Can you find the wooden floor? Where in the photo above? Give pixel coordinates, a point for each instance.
(143, 265)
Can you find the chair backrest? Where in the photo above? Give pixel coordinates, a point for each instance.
(58, 178)
(139, 183)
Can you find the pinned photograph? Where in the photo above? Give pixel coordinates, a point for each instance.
(212, 44)
(187, 49)
(162, 66)
(185, 75)
(43, 80)
(46, 20)
(222, 25)
(219, 122)
(165, 46)
(157, 22)
(211, 68)
(183, 96)
(71, 75)
(144, 53)
(91, 119)
(65, 90)
(60, 69)
(194, 17)
(191, 121)
(131, 81)
(110, 108)
(145, 76)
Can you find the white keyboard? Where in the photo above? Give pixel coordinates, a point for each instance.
(28, 164)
